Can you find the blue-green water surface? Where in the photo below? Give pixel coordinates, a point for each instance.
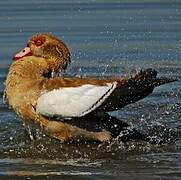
(106, 37)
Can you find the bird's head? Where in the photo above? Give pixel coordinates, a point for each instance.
(47, 46)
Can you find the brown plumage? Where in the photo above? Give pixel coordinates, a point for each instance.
(26, 82)
(51, 48)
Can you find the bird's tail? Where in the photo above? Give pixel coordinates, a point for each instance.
(164, 80)
(148, 78)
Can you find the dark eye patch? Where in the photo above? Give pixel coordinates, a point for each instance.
(39, 41)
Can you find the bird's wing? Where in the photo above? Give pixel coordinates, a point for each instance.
(76, 97)
(74, 101)
(133, 89)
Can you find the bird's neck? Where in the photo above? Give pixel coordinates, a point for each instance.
(25, 75)
(27, 69)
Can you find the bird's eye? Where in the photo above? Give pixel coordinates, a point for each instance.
(38, 42)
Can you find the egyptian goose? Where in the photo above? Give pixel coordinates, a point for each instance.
(52, 102)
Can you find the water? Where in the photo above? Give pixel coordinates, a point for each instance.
(108, 37)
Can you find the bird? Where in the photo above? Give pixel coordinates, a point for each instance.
(71, 108)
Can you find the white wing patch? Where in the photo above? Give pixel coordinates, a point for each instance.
(74, 101)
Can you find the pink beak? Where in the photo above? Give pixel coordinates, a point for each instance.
(25, 52)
